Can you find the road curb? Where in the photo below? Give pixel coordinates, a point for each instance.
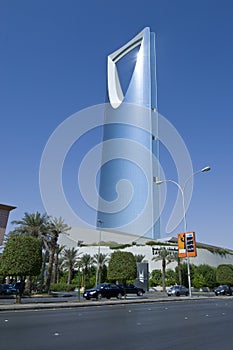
(78, 304)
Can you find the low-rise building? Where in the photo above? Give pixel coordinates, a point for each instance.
(88, 241)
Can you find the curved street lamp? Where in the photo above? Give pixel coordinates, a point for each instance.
(100, 222)
(182, 189)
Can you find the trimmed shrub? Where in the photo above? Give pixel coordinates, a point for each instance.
(62, 287)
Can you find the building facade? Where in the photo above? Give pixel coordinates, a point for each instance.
(87, 242)
(4, 215)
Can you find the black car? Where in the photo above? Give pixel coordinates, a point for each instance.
(7, 289)
(132, 289)
(105, 290)
(223, 290)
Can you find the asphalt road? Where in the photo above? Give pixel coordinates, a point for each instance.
(200, 324)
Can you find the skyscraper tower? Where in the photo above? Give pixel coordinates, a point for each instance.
(129, 200)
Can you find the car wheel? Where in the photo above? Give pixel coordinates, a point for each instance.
(99, 296)
(119, 296)
(87, 298)
(108, 297)
(139, 293)
(186, 294)
(177, 294)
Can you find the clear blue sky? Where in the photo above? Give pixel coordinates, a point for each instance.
(53, 64)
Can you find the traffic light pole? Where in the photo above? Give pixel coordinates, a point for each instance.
(207, 168)
(185, 227)
(186, 246)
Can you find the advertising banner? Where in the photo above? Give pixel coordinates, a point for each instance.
(190, 241)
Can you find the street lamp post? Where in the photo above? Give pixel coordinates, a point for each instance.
(79, 283)
(98, 258)
(182, 191)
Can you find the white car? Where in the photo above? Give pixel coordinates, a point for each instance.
(177, 291)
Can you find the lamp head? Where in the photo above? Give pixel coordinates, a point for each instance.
(159, 182)
(207, 168)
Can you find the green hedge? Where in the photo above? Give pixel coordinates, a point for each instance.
(120, 246)
(62, 287)
(160, 243)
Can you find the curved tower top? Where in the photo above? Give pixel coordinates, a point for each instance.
(139, 89)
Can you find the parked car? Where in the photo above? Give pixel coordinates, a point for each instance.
(104, 290)
(131, 289)
(177, 291)
(7, 289)
(223, 290)
(18, 286)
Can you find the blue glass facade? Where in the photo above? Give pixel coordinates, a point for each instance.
(129, 199)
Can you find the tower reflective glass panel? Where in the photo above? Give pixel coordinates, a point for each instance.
(129, 200)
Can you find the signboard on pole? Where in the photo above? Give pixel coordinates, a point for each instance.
(189, 240)
(142, 280)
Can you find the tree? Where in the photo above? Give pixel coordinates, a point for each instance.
(100, 260)
(139, 257)
(166, 256)
(69, 262)
(198, 280)
(170, 277)
(224, 274)
(56, 226)
(86, 263)
(58, 251)
(35, 225)
(155, 278)
(208, 278)
(122, 267)
(22, 257)
(184, 272)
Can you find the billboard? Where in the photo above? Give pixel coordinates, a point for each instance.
(187, 239)
(142, 280)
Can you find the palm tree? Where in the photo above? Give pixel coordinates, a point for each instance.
(56, 226)
(69, 257)
(86, 262)
(58, 251)
(35, 225)
(139, 257)
(166, 257)
(100, 260)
